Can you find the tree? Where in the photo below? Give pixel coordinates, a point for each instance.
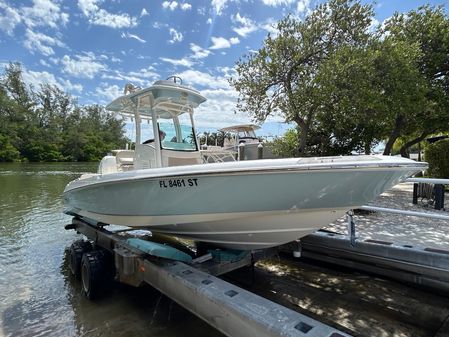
(47, 125)
(281, 76)
(285, 146)
(351, 118)
(437, 154)
(428, 28)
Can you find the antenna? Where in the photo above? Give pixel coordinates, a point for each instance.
(175, 79)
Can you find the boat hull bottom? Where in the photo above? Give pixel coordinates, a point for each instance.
(244, 231)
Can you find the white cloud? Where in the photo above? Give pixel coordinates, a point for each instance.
(172, 5)
(44, 63)
(227, 71)
(182, 62)
(198, 78)
(302, 6)
(198, 52)
(186, 6)
(37, 78)
(374, 24)
(9, 18)
(218, 6)
(209, 21)
(44, 13)
(101, 17)
(143, 77)
(159, 25)
(221, 42)
(41, 43)
(144, 12)
(53, 60)
(246, 25)
(84, 66)
(234, 40)
(148, 73)
(276, 3)
(69, 86)
(175, 36)
(244, 31)
(169, 5)
(110, 92)
(241, 19)
(270, 25)
(132, 36)
(218, 110)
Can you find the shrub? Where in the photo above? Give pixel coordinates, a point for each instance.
(285, 146)
(7, 151)
(437, 155)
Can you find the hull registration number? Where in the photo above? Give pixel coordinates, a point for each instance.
(173, 183)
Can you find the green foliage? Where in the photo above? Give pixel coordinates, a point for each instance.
(281, 77)
(437, 155)
(428, 29)
(348, 87)
(7, 151)
(285, 146)
(47, 124)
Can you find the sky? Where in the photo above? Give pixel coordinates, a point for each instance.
(92, 48)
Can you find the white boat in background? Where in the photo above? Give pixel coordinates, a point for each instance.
(163, 184)
(240, 134)
(245, 134)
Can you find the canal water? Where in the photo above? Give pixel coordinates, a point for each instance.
(39, 296)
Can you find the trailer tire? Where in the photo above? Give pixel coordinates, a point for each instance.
(96, 273)
(77, 250)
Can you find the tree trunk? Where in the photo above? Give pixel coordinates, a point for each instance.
(303, 131)
(367, 147)
(406, 146)
(398, 124)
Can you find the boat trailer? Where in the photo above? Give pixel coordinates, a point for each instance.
(191, 282)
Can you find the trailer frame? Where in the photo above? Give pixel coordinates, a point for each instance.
(228, 308)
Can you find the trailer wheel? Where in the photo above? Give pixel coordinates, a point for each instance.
(77, 249)
(96, 273)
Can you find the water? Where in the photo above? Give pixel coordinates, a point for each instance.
(39, 296)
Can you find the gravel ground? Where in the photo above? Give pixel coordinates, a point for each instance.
(401, 229)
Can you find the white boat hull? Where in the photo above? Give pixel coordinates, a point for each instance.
(243, 205)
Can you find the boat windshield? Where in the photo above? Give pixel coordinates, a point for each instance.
(247, 134)
(178, 133)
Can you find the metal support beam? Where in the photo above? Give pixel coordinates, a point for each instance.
(425, 266)
(230, 309)
(439, 196)
(402, 212)
(415, 193)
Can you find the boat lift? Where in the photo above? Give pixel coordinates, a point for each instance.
(424, 266)
(191, 282)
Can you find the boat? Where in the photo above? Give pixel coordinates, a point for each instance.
(240, 134)
(163, 184)
(236, 135)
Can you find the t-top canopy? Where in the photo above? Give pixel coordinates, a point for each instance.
(239, 128)
(166, 98)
